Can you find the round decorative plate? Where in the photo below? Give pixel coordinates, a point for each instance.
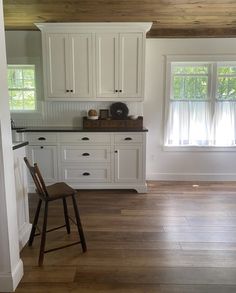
(119, 110)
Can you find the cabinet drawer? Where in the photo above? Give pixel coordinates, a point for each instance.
(85, 154)
(86, 173)
(128, 138)
(41, 138)
(85, 138)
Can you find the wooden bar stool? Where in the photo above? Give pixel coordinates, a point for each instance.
(57, 191)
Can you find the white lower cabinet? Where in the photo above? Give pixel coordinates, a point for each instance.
(128, 163)
(46, 158)
(92, 160)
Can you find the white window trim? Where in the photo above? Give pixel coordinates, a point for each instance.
(181, 59)
(38, 113)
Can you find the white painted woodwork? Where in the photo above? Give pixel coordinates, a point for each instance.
(86, 174)
(24, 226)
(119, 61)
(92, 163)
(80, 64)
(107, 60)
(128, 163)
(57, 71)
(102, 61)
(88, 154)
(46, 158)
(131, 65)
(11, 266)
(68, 66)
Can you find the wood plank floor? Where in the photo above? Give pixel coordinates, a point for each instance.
(176, 238)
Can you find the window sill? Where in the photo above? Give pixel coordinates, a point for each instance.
(199, 148)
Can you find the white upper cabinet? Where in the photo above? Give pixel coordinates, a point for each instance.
(94, 61)
(68, 66)
(119, 60)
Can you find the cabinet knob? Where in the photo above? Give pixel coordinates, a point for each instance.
(85, 138)
(67, 91)
(85, 154)
(71, 91)
(41, 147)
(116, 91)
(120, 91)
(116, 152)
(41, 138)
(86, 174)
(128, 138)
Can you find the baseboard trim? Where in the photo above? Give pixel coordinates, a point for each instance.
(9, 281)
(192, 176)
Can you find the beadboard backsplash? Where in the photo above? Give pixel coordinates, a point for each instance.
(68, 113)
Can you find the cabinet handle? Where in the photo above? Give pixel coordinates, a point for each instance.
(41, 138)
(41, 147)
(116, 152)
(85, 138)
(128, 138)
(86, 174)
(85, 154)
(120, 91)
(116, 91)
(67, 91)
(71, 91)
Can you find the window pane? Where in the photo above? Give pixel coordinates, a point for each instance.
(17, 100)
(190, 69)
(190, 87)
(28, 83)
(29, 100)
(226, 88)
(222, 70)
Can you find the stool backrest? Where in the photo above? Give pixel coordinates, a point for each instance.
(37, 177)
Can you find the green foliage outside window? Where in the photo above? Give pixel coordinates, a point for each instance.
(21, 87)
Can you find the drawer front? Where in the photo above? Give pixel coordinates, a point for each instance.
(41, 138)
(86, 173)
(85, 138)
(128, 138)
(85, 154)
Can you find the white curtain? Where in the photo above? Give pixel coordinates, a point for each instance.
(223, 131)
(198, 124)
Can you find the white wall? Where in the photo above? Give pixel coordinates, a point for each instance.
(161, 164)
(179, 165)
(11, 267)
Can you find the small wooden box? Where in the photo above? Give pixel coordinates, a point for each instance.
(113, 123)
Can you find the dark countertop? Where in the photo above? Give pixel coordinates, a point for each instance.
(76, 129)
(20, 144)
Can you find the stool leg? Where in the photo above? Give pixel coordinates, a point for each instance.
(66, 216)
(43, 237)
(36, 217)
(79, 226)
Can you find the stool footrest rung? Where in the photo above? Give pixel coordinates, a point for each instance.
(61, 247)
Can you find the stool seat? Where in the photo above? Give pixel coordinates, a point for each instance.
(59, 190)
(56, 191)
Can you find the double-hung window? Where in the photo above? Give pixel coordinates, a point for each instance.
(201, 108)
(21, 88)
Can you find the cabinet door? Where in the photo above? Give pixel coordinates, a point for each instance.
(80, 64)
(128, 163)
(46, 158)
(107, 64)
(131, 65)
(56, 66)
